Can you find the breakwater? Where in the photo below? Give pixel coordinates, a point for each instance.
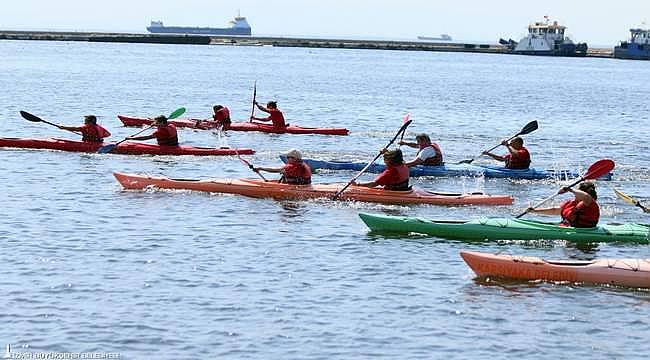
(270, 41)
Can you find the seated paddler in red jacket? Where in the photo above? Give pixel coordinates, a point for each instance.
(165, 133)
(221, 116)
(518, 156)
(581, 212)
(396, 175)
(294, 172)
(90, 131)
(275, 115)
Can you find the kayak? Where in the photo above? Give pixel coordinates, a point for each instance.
(506, 229)
(620, 272)
(451, 170)
(271, 189)
(236, 126)
(127, 147)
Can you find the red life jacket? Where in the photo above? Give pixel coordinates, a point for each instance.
(395, 177)
(93, 133)
(277, 118)
(167, 135)
(296, 174)
(521, 161)
(222, 116)
(575, 213)
(435, 160)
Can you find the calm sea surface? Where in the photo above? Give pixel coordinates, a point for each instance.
(181, 275)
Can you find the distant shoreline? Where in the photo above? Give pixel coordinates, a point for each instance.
(270, 41)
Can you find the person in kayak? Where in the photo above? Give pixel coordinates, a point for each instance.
(275, 115)
(581, 212)
(221, 116)
(429, 153)
(165, 133)
(90, 132)
(294, 172)
(396, 175)
(518, 158)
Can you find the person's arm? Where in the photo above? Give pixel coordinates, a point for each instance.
(71, 128)
(145, 137)
(579, 194)
(262, 108)
(409, 144)
(414, 162)
(371, 184)
(268, 169)
(494, 156)
(546, 211)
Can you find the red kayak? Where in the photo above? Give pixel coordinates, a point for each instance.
(127, 148)
(237, 126)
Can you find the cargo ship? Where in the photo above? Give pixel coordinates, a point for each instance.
(239, 26)
(546, 38)
(443, 37)
(638, 48)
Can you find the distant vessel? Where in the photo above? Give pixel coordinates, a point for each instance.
(239, 26)
(443, 37)
(548, 39)
(638, 48)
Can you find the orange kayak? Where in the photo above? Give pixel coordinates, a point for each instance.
(262, 189)
(621, 272)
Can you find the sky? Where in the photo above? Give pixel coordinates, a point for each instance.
(596, 22)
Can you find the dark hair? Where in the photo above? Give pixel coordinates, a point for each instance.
(272, 104)
(91, 118)
(424, 137)
(160, 119)
(518, 139)
(394, 157)
(217, 108)
(589, 188)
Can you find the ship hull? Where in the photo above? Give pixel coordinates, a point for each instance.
(198, 30)
(632, 51)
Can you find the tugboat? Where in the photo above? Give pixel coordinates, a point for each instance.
(638, 48)
(546, 38)
(239, 26)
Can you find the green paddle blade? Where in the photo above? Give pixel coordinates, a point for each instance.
(178, 112)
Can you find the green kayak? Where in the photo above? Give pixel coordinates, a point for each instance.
(506, 229)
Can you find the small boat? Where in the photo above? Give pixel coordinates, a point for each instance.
(126, 148)
(506, 229)
(546, 38)
(638, 48)
(618, 272)
(443, 37)
(236, 126)
(272, 189)
(239, 26)
(451, 170)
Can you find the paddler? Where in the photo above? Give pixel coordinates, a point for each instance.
(396, 175)
(165, 133)
(581, 212)
(275, 115)
(518, 157)
(429, 153)
(221, 116)
(90, 131)
(294, 172)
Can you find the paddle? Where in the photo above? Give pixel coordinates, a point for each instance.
(108, 148)
(401, 130)
(627, 198)
(596, 170)
(254, 96)
(250, 166)
(34, 118)
(529, 128)
(401, 138)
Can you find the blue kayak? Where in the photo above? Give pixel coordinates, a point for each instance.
(452, 170)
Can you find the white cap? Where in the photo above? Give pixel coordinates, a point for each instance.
(294, 153)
